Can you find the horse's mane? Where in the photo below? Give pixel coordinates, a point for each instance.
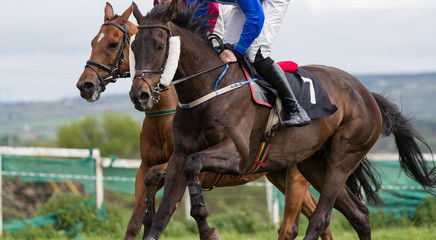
(184, 18)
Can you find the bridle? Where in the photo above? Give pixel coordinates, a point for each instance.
(160, 87)
(114, 70)
(156, 91)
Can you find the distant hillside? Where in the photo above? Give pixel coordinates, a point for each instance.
(415, 94)
(40, 120)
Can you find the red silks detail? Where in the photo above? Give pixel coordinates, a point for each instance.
(288, 66)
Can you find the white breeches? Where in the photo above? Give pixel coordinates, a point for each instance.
(234, 20)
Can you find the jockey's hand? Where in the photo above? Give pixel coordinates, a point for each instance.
(227, 56)
(166, 1)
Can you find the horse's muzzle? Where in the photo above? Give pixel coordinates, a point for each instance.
(141, 99)
(89, 91)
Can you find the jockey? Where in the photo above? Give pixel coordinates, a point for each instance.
(254, 26)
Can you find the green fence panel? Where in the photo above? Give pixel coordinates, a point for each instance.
(30, 169)
(16, 225)
(400, 193)
(119, 179)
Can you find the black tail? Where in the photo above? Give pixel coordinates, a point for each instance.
(411, 157)
(366, 178)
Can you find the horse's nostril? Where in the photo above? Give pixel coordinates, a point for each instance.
(144, 96)
(88, 85)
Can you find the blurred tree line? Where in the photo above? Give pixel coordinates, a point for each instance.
(113, 133)
(118, 134)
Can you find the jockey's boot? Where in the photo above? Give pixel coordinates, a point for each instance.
(293, 115)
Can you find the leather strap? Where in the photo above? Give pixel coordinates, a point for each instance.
(213, 94)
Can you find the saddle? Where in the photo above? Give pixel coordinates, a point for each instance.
(307, 89)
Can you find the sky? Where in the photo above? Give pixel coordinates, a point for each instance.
(45, 44)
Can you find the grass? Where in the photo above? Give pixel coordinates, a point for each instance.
(391, 233)
(409, 233)
(340, 228)
(340, 231)
(237, 222)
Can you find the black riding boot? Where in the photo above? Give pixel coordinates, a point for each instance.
(293, 115)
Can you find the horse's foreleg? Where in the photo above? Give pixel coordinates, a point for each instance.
(153, 182)
(220, 157)
(278, 179)
(294, 187)
(299, 198)
(135, 222)
(174, 188)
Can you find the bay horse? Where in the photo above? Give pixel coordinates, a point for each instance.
(108, 62)
(223, 133)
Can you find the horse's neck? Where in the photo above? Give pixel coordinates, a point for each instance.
(196, 56)
(168, 100)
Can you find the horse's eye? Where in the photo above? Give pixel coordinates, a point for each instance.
(113, 45)
(160, 48)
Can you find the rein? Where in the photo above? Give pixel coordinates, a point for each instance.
(156, 91)
(160, 71)
(197, 74)
(115, 71)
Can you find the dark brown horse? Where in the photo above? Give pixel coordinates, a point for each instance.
(109, 61)
(223, 134)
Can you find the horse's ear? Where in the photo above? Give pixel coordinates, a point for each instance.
(138, 15)
(108, 12)
(125, 16)
(172, 10)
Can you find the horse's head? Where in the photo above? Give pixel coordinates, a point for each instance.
(110, 54)
(152, 54)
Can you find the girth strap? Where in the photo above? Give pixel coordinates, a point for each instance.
(262, 153)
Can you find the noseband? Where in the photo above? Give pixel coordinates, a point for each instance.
(114, 71)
